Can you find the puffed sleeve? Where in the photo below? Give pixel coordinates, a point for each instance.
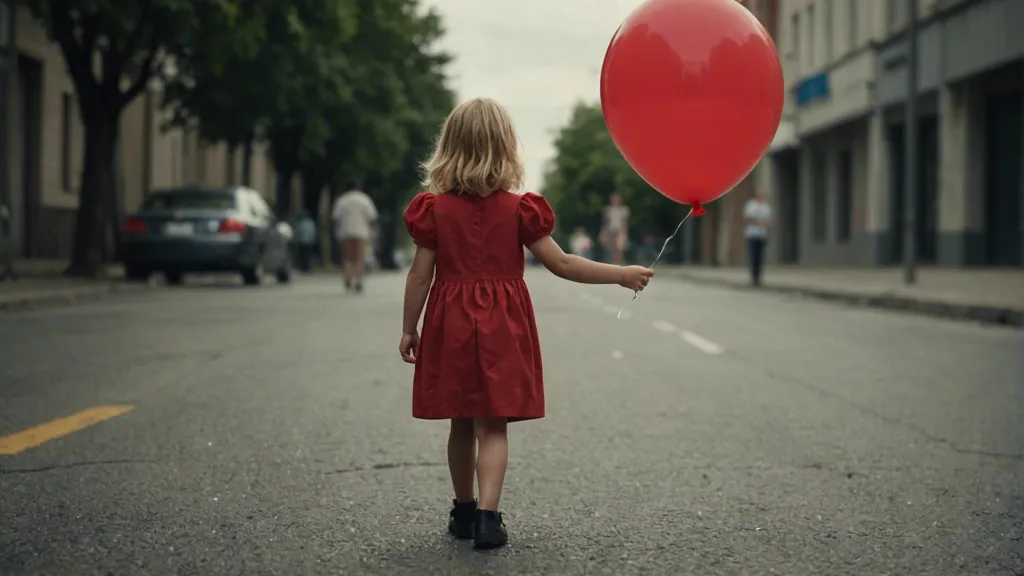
(536, 218)
(419, 220)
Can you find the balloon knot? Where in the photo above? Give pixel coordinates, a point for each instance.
(696, 209)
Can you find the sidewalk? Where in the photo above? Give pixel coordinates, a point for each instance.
(41, 284)
(992, 296)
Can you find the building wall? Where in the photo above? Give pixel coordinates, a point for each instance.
(723, 234)
(148, 155)
(968, 51)
(50, 207)
(845, 63)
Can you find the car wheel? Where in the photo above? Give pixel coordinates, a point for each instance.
(252, 276)
(174, 278)
(136, 274)
(284, 275)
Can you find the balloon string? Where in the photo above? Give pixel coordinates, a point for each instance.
(663, 246)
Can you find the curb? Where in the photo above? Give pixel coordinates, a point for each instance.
(992, 315)
(30, 302)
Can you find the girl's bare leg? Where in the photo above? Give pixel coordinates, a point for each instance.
(492, 460)
(462, 457)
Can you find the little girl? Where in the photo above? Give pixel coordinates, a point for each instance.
(478, 362)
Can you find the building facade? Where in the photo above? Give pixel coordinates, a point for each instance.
(43, 147)
(835, 174)
(719, 237)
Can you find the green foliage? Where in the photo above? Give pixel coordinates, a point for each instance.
(398, 98)
(113, 49)
(338, 88)
(588, 168)
(267, 69)
(130, 40)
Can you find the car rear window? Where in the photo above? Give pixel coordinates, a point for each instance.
(189, 201)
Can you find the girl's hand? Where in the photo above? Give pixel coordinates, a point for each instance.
(635, 277)
(408, 347)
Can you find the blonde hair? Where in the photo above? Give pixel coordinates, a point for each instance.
(477, 151)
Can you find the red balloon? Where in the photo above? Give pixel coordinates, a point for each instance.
(692, 94)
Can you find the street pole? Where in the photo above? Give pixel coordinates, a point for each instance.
(6, 61)
(910, 151)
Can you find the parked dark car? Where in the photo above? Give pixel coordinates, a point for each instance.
(202, 230)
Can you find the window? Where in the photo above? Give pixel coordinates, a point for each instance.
(844, 203)
(892, 14)
(188, 200)
(67, 120)
(819, 197)
(795, 41)
(853, 24)
(828, 39)
(811, 47)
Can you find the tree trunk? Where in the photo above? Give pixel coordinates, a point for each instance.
(283, 194)
(96, 187)
(312, 189)
(388, 238)
(247, 163)
(329, 251)
(113, 215)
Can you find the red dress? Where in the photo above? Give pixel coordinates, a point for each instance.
(479, 353)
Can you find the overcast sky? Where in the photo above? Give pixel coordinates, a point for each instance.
(537, 57)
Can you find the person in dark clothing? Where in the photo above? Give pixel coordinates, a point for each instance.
(758, 217)
(305, 239)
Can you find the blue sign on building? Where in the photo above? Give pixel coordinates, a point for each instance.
(811, 89)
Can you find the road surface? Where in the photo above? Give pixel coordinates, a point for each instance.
(215, 429)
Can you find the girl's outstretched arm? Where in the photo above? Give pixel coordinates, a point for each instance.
(417, 286)
(577, 269)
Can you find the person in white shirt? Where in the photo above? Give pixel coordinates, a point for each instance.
(580, 244)
(615, 231)
(758, 216)
(354, 217)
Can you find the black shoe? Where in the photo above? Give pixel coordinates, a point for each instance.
(462, 516)
(348, 284)
(359, 288)
(489, 530)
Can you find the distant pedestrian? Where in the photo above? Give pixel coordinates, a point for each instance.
(354, 216)
(581, 244)
(758, 216)
(615, 229)
(479, 362)
(649, 249)
(305, 238)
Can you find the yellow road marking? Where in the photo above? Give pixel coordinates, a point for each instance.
(20, 441)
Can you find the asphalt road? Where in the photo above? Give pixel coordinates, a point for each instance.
(710, 432)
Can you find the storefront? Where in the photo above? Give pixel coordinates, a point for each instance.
(981, 219)
(832, 109)
(893, 64)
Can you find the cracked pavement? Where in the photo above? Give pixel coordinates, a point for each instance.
(271, 433)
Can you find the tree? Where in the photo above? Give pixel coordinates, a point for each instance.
(273, 76)
(385, 123)
(218, 87)
(422, 70)
(588, 168)
(112, 49)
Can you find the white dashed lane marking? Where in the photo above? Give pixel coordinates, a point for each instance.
(663, 326)
(700, 343)
(704, 345)
(697, 341)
